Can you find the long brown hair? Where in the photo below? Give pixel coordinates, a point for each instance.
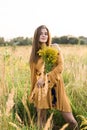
(36, 44)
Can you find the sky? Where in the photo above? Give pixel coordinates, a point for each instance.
(62, 17)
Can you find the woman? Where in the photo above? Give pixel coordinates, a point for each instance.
(47, 90)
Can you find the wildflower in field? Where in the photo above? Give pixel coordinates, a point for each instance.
(49, 55)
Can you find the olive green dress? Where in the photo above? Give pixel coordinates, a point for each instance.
(52, 94)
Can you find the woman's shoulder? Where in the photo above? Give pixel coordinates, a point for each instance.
(55, 45)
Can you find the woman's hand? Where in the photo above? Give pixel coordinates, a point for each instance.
(40, 82)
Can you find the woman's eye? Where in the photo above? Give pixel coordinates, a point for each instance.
(43, 33)
(46, 33)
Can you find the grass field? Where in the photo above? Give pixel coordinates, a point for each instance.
(15, 86)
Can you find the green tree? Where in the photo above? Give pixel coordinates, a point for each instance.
(2, 41)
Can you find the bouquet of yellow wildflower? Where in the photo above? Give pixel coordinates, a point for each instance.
(49, 55)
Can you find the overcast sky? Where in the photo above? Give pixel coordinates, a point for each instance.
(62, 17)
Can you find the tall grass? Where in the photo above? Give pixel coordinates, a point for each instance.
(75, 77)
(15, 111)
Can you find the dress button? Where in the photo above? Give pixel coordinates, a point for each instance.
(48, 81)
(39, 74)
(43, 84)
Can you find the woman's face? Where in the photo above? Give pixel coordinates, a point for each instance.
(43, 36)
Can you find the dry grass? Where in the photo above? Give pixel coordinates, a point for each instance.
(10, 102)
(14, 83)
(48, 125)
(64, 126)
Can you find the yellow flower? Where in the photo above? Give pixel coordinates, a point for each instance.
(49, 55)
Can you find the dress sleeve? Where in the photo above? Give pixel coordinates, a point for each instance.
(53, 75)
(33, 76)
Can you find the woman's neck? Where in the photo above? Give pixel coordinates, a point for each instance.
(43, 45)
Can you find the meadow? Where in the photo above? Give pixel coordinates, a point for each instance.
(15, 111)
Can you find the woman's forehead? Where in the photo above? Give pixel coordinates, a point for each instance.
(43, 30)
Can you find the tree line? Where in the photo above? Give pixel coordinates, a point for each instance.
(28, 41)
